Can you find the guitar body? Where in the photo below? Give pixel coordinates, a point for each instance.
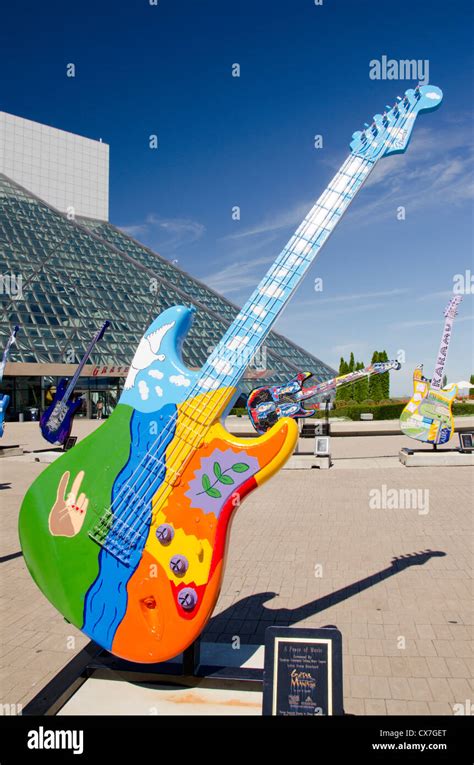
(4, 402)
(56, 420)
(126, 533)
(428, 415)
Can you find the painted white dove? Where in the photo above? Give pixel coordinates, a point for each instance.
(147, 353)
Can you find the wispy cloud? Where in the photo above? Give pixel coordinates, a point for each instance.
(357, 348)
(430, 295)
(236, 276)
(428, 322)
(166, 233)
(364, 296)
(438, 165)
(281, 220)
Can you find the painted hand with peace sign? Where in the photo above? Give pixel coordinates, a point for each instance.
(68, 512)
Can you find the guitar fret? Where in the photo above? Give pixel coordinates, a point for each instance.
(284, 275)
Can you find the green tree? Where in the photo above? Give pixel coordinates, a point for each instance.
(385, 378)
(361, 389)
(374, 382)
(341, 392)
(471, 390)
(349, 389)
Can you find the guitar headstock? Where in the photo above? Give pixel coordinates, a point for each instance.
(101, 332)
(386, 366)
(390, 132)
(451, 310)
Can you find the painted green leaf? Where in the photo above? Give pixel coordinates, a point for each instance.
(206, 484)
(240, 467)
(217, 470)
(226, 479)
(214, 493)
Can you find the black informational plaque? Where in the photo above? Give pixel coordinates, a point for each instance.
(303, 672)
(70, 442)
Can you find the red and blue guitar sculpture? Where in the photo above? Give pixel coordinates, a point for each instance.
(4, 397)
(126, 533)
(267, 405)
(56, 421)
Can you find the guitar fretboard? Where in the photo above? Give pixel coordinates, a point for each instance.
(234, 352)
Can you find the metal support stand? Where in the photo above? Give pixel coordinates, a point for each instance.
(94, 661)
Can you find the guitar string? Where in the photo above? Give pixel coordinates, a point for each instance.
(269, 302)
(331, 213)
(290, 275)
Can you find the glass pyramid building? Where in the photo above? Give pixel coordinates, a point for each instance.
(72, 275)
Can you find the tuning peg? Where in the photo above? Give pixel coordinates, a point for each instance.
(366, 125)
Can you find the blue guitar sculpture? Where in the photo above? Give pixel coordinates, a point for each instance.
(4, 398)
(56, 420)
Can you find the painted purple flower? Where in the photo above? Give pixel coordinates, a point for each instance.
(219, 475)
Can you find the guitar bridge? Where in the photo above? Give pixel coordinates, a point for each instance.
(117, 537)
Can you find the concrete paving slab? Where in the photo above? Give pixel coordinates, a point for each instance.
(309, 548)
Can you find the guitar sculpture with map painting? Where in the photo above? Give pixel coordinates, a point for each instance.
(126, 533)
(4, 397)
(268, 404)
(428, 415)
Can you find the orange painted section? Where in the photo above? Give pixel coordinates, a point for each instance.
(155, 627)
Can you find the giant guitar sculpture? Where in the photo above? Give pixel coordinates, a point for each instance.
(126, 533)
(428, 416)
(270, 403)
(4, 397)
(56, 421)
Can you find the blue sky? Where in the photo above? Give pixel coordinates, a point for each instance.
(248, 141)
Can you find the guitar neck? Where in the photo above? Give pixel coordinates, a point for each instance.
(82, 363)
(9, 344)
(389, 134)
(358, 374)
(234, 352)
(437, 379)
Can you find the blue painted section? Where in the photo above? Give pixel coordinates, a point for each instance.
(157, 372)
(106, 601)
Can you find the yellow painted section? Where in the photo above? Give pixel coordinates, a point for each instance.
(433, 431)
(197, 551)
(189, 434)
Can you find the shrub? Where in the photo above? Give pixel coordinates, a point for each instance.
(462, 408)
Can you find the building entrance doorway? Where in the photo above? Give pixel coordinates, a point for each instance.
(102, 403)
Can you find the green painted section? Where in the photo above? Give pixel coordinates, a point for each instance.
(65, 567)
